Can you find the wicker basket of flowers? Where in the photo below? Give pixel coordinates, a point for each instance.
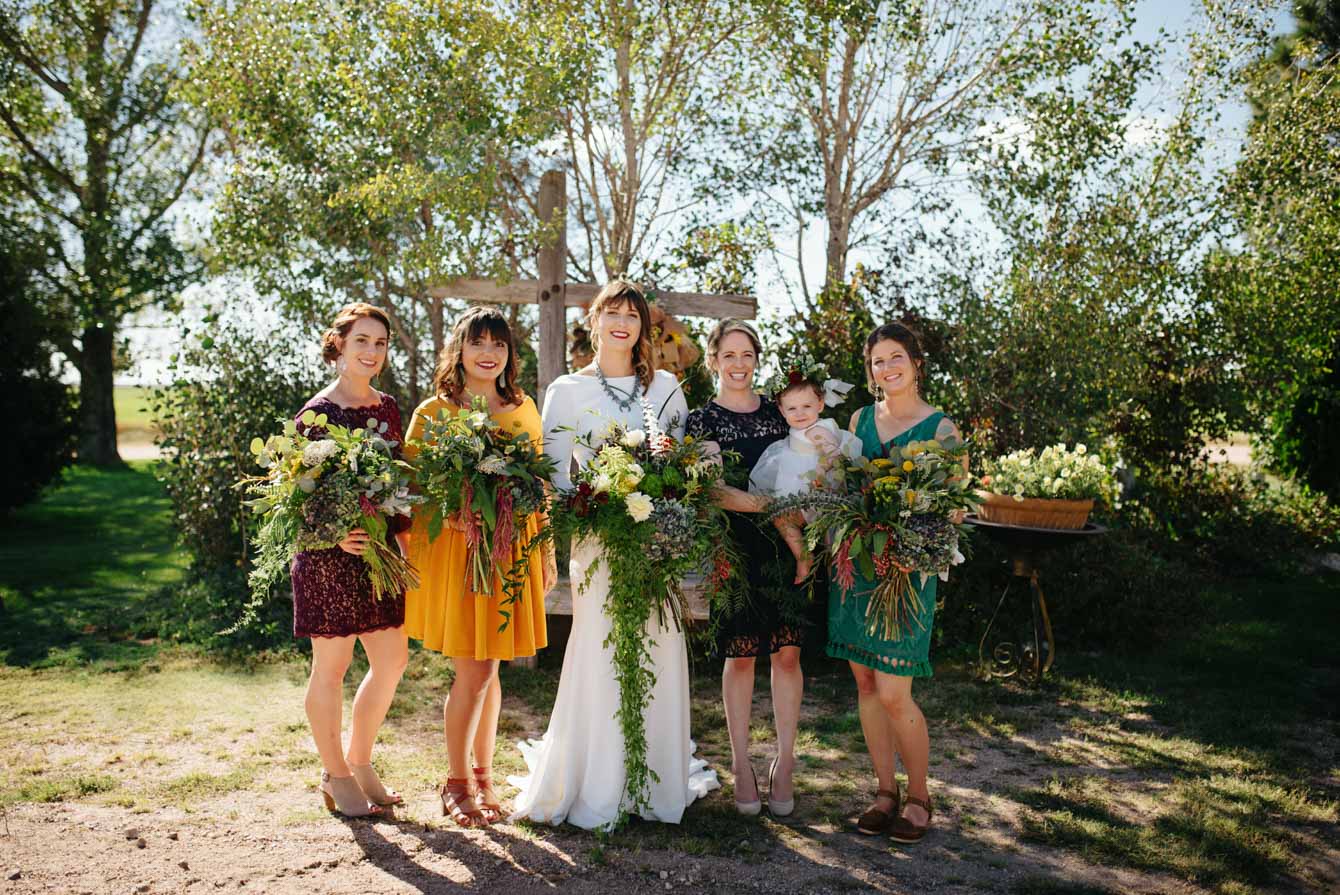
(1054, 488)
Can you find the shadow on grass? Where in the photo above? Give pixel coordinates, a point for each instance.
(83, 570)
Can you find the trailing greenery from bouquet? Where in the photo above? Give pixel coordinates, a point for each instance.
(647, 499)
(315, 490)
(491, 480)
(890, 518)
(1053, 472)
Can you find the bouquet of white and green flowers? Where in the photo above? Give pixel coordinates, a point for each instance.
(315, 490)
(1054, 472)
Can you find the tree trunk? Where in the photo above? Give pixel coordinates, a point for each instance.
(97, 412)
(836, 255)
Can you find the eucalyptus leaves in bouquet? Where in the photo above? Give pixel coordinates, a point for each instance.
(648, 499)
(468, 467)
(315, 490)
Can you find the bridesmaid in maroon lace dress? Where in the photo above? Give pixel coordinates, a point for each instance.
(332, 595)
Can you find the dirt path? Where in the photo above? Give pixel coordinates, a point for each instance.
(191, 778)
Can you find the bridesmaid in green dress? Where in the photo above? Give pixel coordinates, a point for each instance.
(890, 718)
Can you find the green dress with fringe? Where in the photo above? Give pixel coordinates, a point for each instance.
(848, 639)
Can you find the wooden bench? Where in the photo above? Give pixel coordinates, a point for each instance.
(559, 603)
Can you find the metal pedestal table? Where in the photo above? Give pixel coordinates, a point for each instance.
(1025, 544)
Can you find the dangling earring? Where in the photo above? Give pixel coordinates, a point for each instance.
(341, 365)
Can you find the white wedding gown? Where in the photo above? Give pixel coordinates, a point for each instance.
(577, 768)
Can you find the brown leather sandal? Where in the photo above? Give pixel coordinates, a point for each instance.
(907, 832)
(876, 821)
(488, 801)
(458, 803)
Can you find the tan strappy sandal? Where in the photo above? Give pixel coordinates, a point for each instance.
(488, 799)
(458, 803)
(875, 821)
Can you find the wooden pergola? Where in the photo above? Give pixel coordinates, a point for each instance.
(554, 294)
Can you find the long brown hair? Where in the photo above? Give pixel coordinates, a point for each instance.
(617, 292)
(480, 321)
(344, 321)
(905, 336)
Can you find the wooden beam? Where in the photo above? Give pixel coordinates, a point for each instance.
(692, 304)
(523, 292)
(551, 267)
(517, 292)
(559, 600)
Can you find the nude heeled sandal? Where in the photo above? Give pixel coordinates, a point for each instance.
(344, 796)
(750, 809)
(372, 787)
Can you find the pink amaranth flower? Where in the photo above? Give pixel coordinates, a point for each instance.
(366, 505)
(504, 532)
(844, 568)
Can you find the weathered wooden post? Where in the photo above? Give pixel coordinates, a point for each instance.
(551, 264)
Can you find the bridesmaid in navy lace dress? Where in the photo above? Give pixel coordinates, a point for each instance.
(739, 420)
(332, 595)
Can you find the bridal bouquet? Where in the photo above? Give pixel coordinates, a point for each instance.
(491, 479)
(316, 490)
(647, 498)
(891, 517)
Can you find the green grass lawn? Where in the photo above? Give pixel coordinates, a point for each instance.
(83, 570)
(134, 419)
(1207, 763)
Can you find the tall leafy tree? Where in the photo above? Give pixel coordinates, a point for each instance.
(657, 81)
(1279, 294)
(96, 151)
(366, 140)
(881, 106)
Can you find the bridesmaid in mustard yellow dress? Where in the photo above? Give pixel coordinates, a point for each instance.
(478, 360)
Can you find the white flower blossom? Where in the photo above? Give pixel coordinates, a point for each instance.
(318, 452)
(492, 466)
(639, 506)
(633, 438)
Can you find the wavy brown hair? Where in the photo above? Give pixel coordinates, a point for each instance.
(618, 292)
(907, 337)
(481, 321)
(344, 321)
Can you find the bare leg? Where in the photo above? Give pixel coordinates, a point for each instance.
(325, 699)
(461, 714)
(486, 731)
(908, 727)
(388, 653)
(788, 688)
(877, 729)
(737, 695)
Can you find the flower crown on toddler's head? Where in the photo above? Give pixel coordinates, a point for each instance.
(806, 369)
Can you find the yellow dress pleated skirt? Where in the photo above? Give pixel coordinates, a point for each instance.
(441, 611)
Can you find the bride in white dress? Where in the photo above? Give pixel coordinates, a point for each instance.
(577, 769)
